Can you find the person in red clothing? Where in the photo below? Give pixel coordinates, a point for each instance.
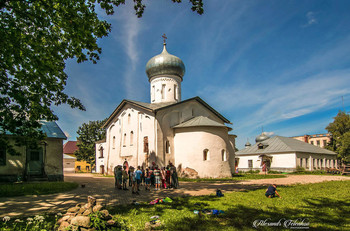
(167, 177)
(163, 175)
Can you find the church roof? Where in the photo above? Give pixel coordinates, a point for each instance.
(200, 121)
(154, 107)
(280, 144)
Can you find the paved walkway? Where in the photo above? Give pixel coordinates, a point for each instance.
(103, 189)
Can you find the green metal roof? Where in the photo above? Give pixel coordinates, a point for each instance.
(160, 106)
(280, 144)
(200, 121)
(52, 130)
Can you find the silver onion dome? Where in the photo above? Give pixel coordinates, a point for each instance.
(260, 138)
(165, 64)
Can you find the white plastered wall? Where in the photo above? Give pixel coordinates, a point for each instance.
(167, 118)
(131, 121)
(165, 89)
(279, 160)
(190, 144)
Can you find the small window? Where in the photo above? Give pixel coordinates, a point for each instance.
(176, 96)
(223, 155)
(78, 168)
(153, 93)
(129, 119)
(306, 162)
(206, 155)
(311, 142)
(324, 143)
(113, 145)
(301, 162)
(167, 147)
(87, 168)
(34, 155)
(3, 156)
(318, 143)
(124, 140)
(131, 138)
(145, 144)
(163, 91)
(101, 152)
(250, 163)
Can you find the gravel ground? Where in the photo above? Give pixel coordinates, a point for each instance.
(103, 189)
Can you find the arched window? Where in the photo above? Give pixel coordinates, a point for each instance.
(101, 152)
(163, 91)
(113, 142)
(124, 141)
(176, 97)
(131, 138)
(223, 155)
(206, 155)
(129, 118)
(167, 146)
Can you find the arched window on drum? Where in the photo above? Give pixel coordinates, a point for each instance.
(206, 155)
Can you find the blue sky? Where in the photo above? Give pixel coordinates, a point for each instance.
(283, 65)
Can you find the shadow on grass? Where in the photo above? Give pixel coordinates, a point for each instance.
(321, 213)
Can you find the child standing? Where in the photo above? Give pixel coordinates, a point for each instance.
(147, 179)
(133, 180)
(156, 173)
(125, 178)
(138, 174)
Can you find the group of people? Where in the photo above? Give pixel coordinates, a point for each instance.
(153, 176)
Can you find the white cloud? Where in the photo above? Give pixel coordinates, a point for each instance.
(128, 36)
(67, 134)
(311, 19)
(266, 103)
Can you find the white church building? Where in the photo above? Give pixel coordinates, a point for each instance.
(190, 134)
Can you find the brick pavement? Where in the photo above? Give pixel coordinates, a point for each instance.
(103, 189)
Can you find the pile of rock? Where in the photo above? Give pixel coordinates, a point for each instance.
(79, 217)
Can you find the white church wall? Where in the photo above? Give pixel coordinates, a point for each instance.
(192, 143)
(232, 154)
(167, 118)
(125, 137)
(101, 157)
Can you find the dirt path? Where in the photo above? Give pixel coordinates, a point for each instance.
(103, 189)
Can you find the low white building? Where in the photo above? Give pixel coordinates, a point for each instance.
(190, 133)
(284, 154)
(69, 163)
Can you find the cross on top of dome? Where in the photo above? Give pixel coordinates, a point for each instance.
(165, 38)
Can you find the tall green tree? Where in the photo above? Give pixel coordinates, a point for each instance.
(340, 131)
(89, 133)
(37, 37)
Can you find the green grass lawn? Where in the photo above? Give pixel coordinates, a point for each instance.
(325, 205)
(21, 189)
(236, 177)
